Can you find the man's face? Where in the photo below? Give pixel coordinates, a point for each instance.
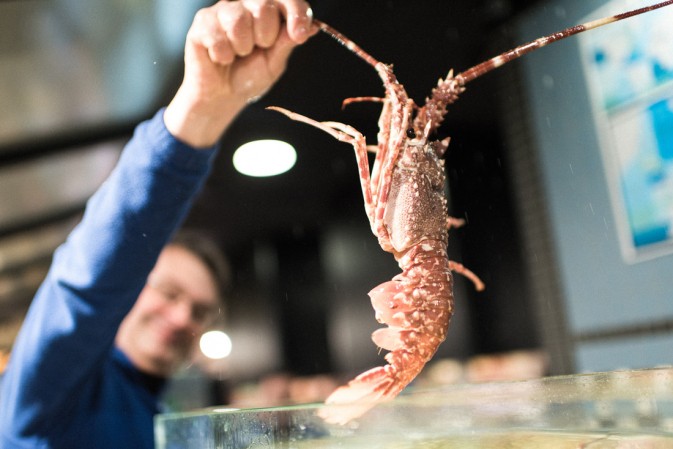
(173, 310)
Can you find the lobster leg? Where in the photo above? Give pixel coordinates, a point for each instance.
(383, 136)
(399, 120)
(347, 134)
(348, 101)
(393, 123)
(464, 271)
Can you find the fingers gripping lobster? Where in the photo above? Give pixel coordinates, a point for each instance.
(405, 201)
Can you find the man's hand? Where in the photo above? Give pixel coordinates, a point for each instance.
(235, 51)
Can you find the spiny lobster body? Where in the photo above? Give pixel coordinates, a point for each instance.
(404, 195)
(406, 204)
(417, 304)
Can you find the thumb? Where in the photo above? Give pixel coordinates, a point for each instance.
(279, 53)
(197, 58)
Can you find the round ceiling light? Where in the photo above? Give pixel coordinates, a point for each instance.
(215, 344)
(264, 158)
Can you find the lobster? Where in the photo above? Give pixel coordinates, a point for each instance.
(405, 202)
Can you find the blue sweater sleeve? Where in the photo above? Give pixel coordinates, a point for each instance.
(97, 275)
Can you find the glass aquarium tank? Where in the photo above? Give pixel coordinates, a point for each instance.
(620, 409)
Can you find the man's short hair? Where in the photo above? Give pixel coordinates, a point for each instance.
(207, 250)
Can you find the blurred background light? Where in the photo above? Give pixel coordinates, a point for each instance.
(215, 344)
(264, 158)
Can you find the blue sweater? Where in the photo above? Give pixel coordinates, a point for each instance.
(66, 385)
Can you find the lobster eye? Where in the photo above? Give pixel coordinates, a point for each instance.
(411, 133)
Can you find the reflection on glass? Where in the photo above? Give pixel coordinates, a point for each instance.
(616, 409)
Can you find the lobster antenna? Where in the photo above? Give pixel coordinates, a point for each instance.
(493, 63)
(349, 44)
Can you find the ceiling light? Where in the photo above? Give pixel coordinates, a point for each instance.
(264, 158)
(215, 344)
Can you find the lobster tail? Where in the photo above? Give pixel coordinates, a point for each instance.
(361, 394)
(372, 387)
(416, 305)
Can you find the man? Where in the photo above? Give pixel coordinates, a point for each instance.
(178, 303)
(119, 310)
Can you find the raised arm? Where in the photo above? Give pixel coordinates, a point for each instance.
(234, 52)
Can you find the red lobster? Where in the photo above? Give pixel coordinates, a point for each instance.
(407, 210)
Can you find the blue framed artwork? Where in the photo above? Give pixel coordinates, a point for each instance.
(629, 71)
